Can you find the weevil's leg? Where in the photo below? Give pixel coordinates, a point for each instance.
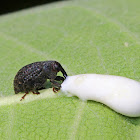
(55, 90)
(23, 96)
(36, 92)
(56, 86)
(59, 78)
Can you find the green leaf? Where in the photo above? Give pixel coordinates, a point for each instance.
(85, 37)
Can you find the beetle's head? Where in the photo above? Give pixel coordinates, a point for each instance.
(57, 67)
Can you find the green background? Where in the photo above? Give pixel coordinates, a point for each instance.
(93, 36)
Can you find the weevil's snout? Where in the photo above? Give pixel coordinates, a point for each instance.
(65, 75)
(64, 72)
(58, 67)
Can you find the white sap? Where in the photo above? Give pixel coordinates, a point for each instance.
(119, 93)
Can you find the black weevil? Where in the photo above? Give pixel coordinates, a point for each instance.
(32, 77)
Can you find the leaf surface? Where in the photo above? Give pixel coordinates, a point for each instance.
(85, 37)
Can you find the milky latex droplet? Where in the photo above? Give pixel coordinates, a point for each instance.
(119, 93)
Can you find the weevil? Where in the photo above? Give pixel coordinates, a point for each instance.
(32, 77)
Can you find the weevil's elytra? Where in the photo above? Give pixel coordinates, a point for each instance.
(32, 77)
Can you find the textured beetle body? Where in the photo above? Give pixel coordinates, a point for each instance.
(33, 76)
